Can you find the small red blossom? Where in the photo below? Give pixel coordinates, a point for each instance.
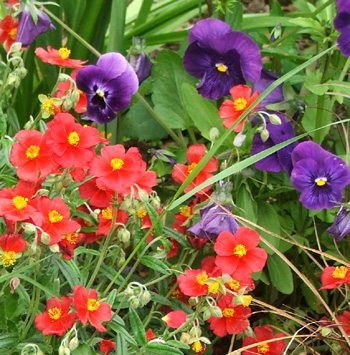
(69, 243)
(174, 248)
(73, 144)
(59, 57)
(90, 309)
(12, 246)
(334, 276)
(344, 320)
(195, 153)
(262, 334)
(175, 319)
(107, 346)
(239, 253)
(106, 217)
(242, 99)
(8, 31)
(193, 283)
(99, 196)
(234, 318)
(150, 334)
(32, 156)
(56, 319)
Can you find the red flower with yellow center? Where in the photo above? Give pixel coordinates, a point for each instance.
(12, 246)
(242, 99)
(334, 276)
(99, 196)
(56, 319)
(106, 218)
(89, 308)
(69, 243)
(193, 283)
(8, 31)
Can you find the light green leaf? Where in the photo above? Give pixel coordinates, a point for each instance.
(137, 327)
(155, 264)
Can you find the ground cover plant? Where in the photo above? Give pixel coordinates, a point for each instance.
(174, 177)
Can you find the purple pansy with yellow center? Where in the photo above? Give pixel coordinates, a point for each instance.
(320, 176)
(221, 57)
(108, 86)
(342, 24)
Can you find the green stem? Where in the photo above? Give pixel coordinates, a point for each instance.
(319, 118)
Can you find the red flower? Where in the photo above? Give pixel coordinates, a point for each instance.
(233, 320)
(262, 334)
(107, 346)
(8, 31)
(150, 334)
(59, 57)
(69, 243)
(99, 196)
(56, 216)
(344, 320)
(12, 245)
(230, 111)
(175, 319)
(193, 283)
(116, 169)
(239, 254)
(334, 276)
(73, 145)
(56, 319)
(194, 155)
(32, 156)
(90, 309)
(175, 245)
(106, 217)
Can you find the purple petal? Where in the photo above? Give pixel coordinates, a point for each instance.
(317, 198)
(309, 150)
(198, 60)
(208, 28)
(337, 172)
(304, 174)
(341, 226)
(344, 43)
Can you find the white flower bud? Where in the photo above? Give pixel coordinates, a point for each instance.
(274, 119)
(264, 135)
(239, 139)
(45, 238)
(214, 134)
(74, 343)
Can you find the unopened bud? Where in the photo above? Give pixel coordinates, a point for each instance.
(74, 343)
(16, 47)
(185, 338)
(134, 302)
(29, 228)
(67, 104)
(145, 297)
(206, 314)
(143, 195)
(63, 77)
(22, 72)
(193, 301)
(239, 139)
(75, 96)
(274, 119)
(54, 248)
(216, 312)
(45, 238)
(14, 283)
(214, 134)
(195, 332)
(124, 235)
(264, 135)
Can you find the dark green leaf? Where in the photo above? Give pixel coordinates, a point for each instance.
(70, 271)
(84, 349)
(155, 264)
(280, 274)
(162, 349)
(121, 348)
(137, 327)
(155, 219)
(119, 329)
(177, 236)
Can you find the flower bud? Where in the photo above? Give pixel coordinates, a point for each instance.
(16, 47)
(276, 32)
(195, 332)
(75, 96)
(124, 235)
(45, 238)
(67, 104)
(74, 343)
(264, 135)
(54, 248)
(185, 338)
(206, 314)
(274, 119)
(63, 77)
(21, 72)
(214, 134)
(29, 228)
(216, 312)
(145, 297)
(239, 139)
(134, 302)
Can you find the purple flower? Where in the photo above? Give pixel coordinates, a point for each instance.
(341, 226)
(142, 66)
(221, 57)
(342, 24)
(214, 220)
(282, 159)
(28, 31)
(108, 85)
(320, 176)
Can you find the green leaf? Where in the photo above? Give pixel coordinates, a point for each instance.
(119, 329)
(308, 22)
(155, 264)
(246, 202)
(155, 219)
(178, 344)
(7, 341)
(121, 348)
(137, 327)
(70, 272)
(162, 349)
(234, 16)
(177, 236)
(313, 82)
(84, 349)
(280, 274)
(3, 125)
(169, 75)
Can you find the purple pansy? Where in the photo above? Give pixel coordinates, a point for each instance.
(342, 24)
(221, 57)
(320, 176)
(214, 220)
(27, 30)
(341, 226)
(108, 85)
(282, 159)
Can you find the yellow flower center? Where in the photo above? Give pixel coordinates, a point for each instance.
(221, 67)
(240, 104)
(54, 313)
(247, 300)
(197, 346)
(9, 258)
(100, 188)
(13, 33)
(73, 139)
(107, 213)
(64, 53)
(191, 167)
(72, 238)
(202, 278)
(340, 272)
(214, 288)
(92, 305)
(32, 152)
(116, 164)
(48, 106)
(228, 312)
(100, 93)
(321, 181)
(234, 284)
(141, 213)
(263, 348)
(240, 250)
(185, 211)
(20, 202)
(175, 293)
(55, 217)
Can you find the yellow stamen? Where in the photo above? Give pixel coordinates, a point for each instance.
(64, 53)
(197, 346)
(175, 293)
(54, 313)
(202, 278)
(9, 258)
(141, 213)
(100, 93)
(263, 348)
(228, 312)
(100, 188)
(240, 104)
(117, 164)
(240, 250)
(20, 202)
(321, 181)
(13, 33)
(221, 67)
(73, 139)
(48, 106)
(247, 300)
(185, 211)
(92, 305)
(191, 167)
(214, 288)
(340, 272)
(72, 238)
(234, 284)
(32, 152)
(107, 213)
(55, 217)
